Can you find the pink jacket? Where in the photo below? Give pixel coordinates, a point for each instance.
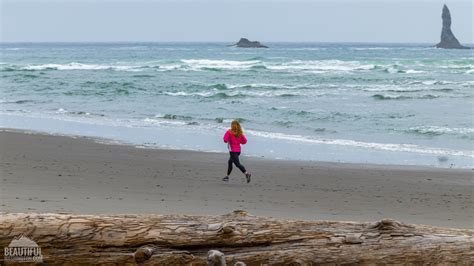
(234, 142)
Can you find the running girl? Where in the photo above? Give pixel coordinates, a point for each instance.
(234, 137)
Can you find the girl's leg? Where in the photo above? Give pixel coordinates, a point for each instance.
(229, 165)
(235, 158)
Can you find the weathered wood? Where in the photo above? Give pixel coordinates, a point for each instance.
(186, 240)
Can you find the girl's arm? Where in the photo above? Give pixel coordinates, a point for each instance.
(226, 136)
(243, 139)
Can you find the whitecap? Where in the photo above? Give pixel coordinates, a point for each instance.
(320, 66)
(393, 70)
(61, 111)
(430, 82)
(454, 66)
(413, 71)
(270, 86)
(438, 130)
(70, 66)
(80, 66)
(184, 93)
(157, 121)
(199, 64)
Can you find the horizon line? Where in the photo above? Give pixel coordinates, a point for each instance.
(227, 42)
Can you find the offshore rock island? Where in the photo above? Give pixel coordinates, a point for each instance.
(448, 40)
(246, 43)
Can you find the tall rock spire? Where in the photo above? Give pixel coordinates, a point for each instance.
(448, 40)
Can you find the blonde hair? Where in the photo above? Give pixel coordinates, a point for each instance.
(236, 129)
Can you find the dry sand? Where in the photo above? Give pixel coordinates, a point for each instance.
(45, 173)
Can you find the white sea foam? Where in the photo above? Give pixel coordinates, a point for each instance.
(430, 82)
(436, 82)
(277, 93)
(391, 88)
(310, 66)
(157, 121)
(458, 66)
(241, 92)
(220, 64)
(5, 101)
(368, 145)
(184, 93)
(321, 66)
(151, 122)
(118, 67)
(441, 130)
(70, 66)
(78, 66)
(393, 70)
(169, 67)
(413, 71)
(259, 85)
(307, 66)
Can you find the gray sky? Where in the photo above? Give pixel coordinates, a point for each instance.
(225, 20)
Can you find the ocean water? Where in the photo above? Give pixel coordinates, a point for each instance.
(360, 103)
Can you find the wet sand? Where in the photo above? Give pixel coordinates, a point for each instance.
(45, 173)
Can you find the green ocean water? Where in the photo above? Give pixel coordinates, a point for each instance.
(379, 103)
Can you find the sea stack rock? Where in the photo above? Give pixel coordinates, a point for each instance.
(245, 43)
(448, 41)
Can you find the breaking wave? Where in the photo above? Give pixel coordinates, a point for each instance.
(383, 97)
(308, 66)
(438, 131)
(75, 66)
(360, 144)
(16, 102)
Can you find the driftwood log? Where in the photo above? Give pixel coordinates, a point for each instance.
(242, 238)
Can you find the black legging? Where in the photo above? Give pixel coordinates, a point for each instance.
(234, 158)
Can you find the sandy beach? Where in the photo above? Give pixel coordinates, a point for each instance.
(45, 173)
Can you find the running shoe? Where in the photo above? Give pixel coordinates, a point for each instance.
(248, 176)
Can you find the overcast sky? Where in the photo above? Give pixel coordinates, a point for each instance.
(416, 21)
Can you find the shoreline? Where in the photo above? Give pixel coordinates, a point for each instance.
(60, 174)
(277, 147)
(108, 141)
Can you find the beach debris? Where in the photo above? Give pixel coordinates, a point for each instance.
(448, 40)
(144, 253)
(181, 239)
(215, 258)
